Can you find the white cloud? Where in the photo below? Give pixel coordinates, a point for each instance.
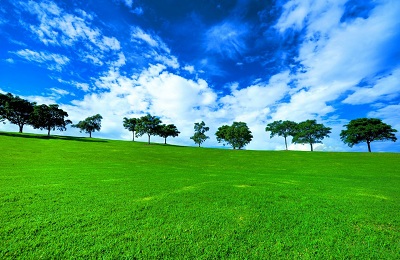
(389, 115)
(51, 60)
(57, 27)
(137, 34)
(227, 39)
(82, 86)
(386, 88)
(189, 69)
(338, 56)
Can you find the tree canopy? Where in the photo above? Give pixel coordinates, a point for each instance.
(282, 128)
(309, 132)
(168, 130)
(90, 125)
(367, 130)
(238, 135)
(199, 133)
(130, 124)
(149, 125)
(49, 117)
(16, 110)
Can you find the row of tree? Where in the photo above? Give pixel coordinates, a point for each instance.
(44, 117)
(150, 125)
(50, 117)
(360, 130)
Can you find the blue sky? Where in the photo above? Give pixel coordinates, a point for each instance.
(216, 61)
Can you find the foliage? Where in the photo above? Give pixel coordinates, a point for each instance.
(130, 124)
(49, 117)
(16, 110)
(309, 132)
(238, 135)
(200, 130)
(90, 124)
(87, 198)
(367, 130)
(168, 130)
(149, 125)
(282, 128)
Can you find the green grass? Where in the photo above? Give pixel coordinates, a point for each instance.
(68, 197)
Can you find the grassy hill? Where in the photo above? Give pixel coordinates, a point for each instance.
(67, 197)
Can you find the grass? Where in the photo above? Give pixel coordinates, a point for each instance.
(66, 197)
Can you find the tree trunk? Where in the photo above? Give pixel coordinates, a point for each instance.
(369, 146)
(149, 139)
(90, 134)
(21, 128)
(48, 131)
(286, 143)
(311, 147)
(133, 136)
(199, 144)
(165, 140)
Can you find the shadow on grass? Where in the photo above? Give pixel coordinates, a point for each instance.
(52, 137)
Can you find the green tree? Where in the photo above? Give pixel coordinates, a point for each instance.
(200, 130)
(16, 110)
(49, 117)
(309, 132)
(367, 130)
(282, 128)
(168, 130)
(149, 125)
(3, 101)
(238, 135)
(130, 124)
(90, 125)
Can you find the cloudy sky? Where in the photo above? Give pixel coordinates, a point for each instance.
(217, 61)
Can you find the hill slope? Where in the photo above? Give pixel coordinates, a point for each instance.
(77, 197)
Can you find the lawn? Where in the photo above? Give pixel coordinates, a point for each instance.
(66, 197)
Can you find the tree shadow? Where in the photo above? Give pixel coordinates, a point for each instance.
(52, 137)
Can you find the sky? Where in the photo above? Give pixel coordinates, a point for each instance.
(214, 61)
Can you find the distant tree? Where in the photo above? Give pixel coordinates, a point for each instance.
(16, 110)
(282, 128)
(90, 125)
(367, 130)
(238, 135)
(130, 124)
(168, 130)
(49, 118)
(309, 132)
(149, 125)
(200, 130)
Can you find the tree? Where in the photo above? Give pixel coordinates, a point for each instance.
(309, 132)
(238, 135)
(90, 125)
(130, 124)
(168, 130)
(16, 110)
(3, 102)
(367, 130)
(200, 130)
(149, 125)
(282, 128)
(50, 118)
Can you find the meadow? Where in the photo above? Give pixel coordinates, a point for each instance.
(69, 197)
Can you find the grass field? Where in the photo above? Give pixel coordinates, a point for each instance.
(67, 197)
